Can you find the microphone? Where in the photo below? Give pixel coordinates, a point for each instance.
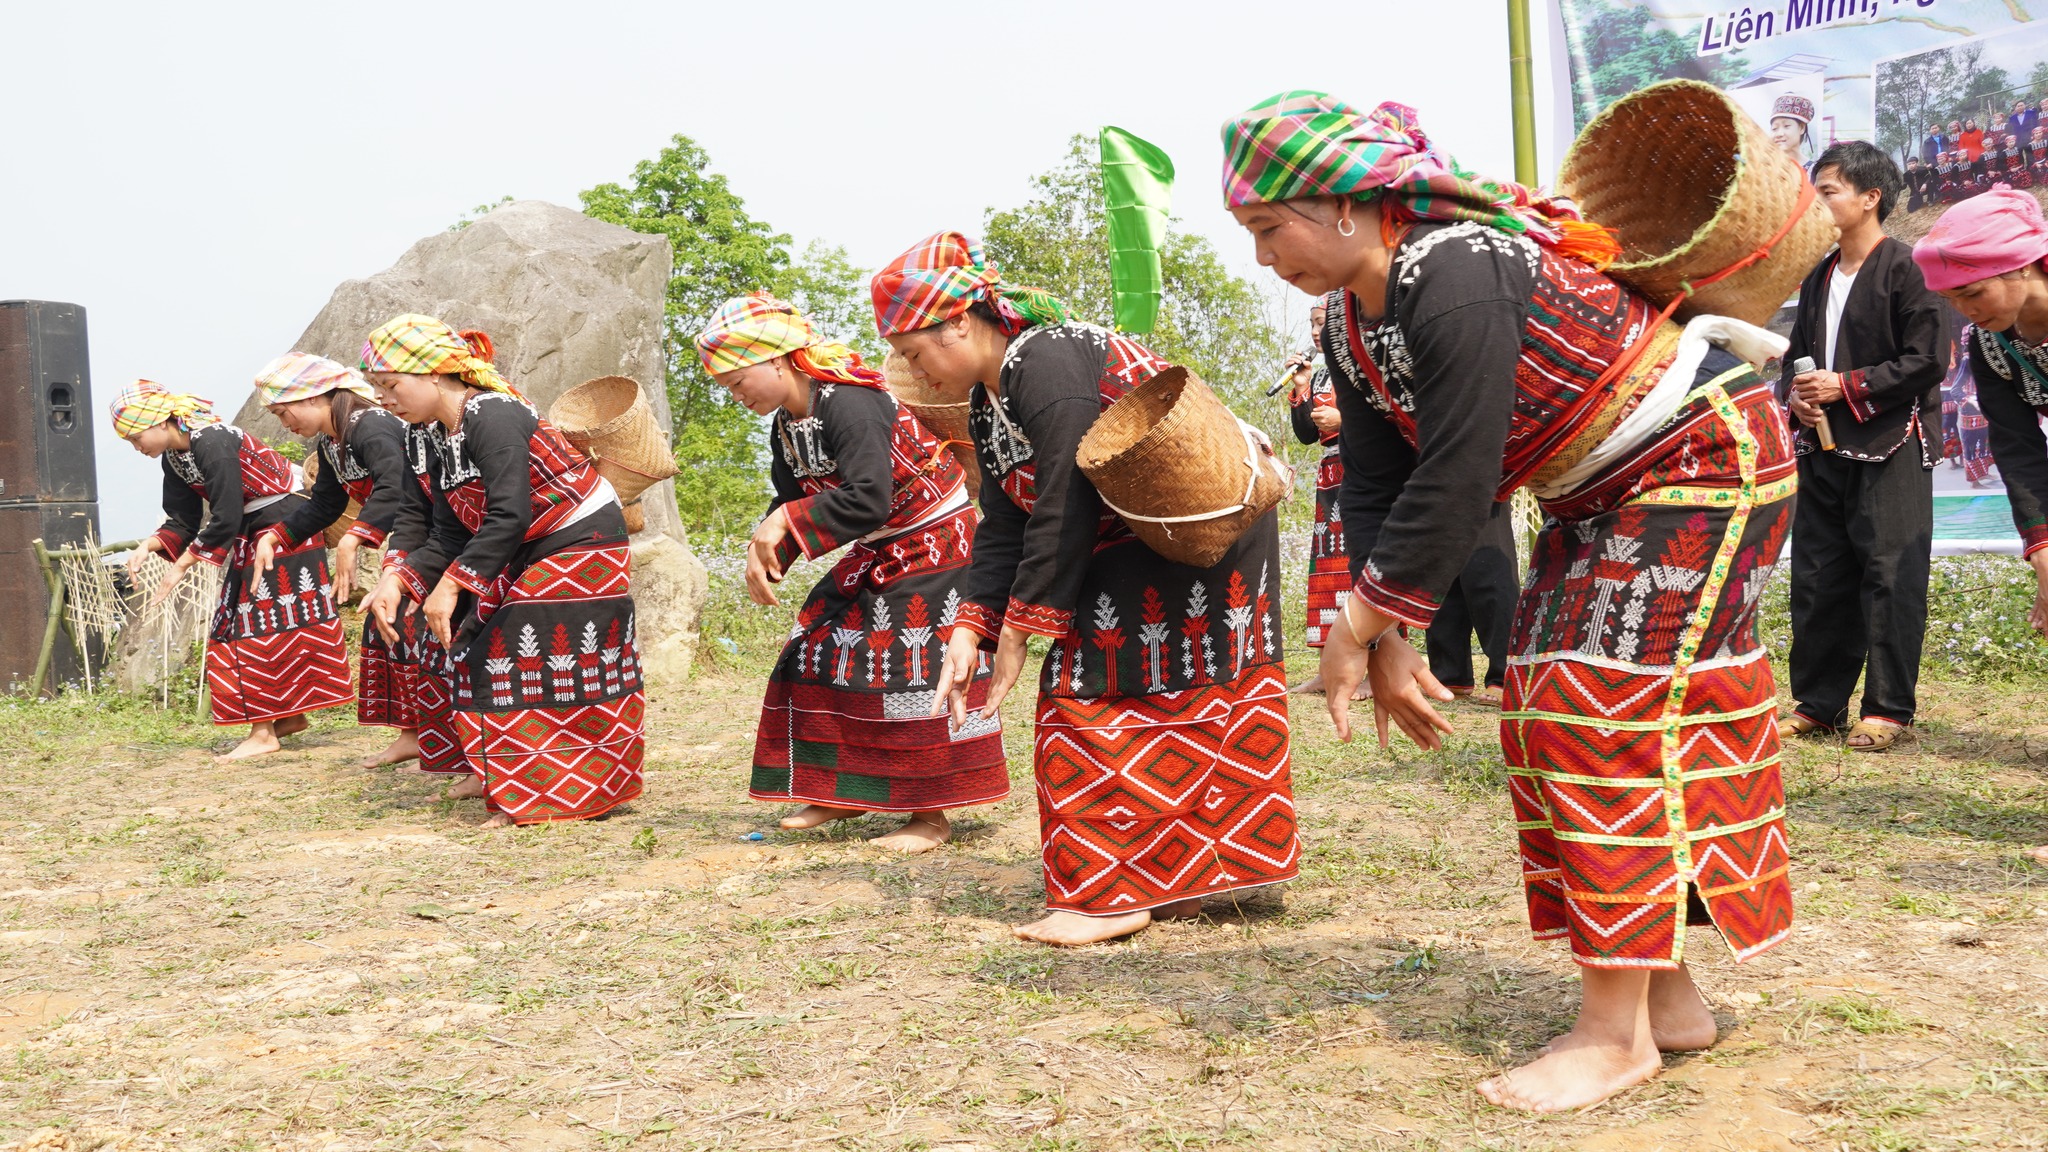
(1288, 379)
(1826, 434)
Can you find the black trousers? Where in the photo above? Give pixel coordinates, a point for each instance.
(1860, 545)
(1481, 600)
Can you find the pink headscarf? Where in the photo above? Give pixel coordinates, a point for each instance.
(1987, 235)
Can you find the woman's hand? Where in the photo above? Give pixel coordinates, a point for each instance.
(1401, 683)
(764, 570)
(345, 568)
(1402, 688)
(141, 553)
(1302, 368)
(382, 606)
(956, 672)
(1326, 419)
(169, 584)
(266, 554)
(440, 611)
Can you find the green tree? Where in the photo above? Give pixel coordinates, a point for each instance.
(1624, 47)
(720, 252)
(1210, 320)
(829, 288)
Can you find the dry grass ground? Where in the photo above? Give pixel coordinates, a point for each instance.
(298, 954)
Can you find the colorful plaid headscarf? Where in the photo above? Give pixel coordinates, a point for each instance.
(420, 345)
(146, 404)
(1305, 143)
(299, 375)
(942, 276)
(752, 329)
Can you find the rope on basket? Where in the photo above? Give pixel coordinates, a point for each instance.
(1251, 483)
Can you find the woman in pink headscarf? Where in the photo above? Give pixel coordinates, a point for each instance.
(1986, 256)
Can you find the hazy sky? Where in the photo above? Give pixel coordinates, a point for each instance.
(200, 176)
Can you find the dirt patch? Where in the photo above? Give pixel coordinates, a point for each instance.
(305, 955)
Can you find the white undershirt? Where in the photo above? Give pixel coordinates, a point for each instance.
(1838, 298)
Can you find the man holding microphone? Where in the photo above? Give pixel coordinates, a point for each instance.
(1863, 379)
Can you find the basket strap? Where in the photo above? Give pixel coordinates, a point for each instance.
(1634, 352)
(1251, 483)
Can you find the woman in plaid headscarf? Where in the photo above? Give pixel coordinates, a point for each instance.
(522, 580)
(846, 726)
(1478, 349)
(364, 459)
(275, 651)
(1160, 750)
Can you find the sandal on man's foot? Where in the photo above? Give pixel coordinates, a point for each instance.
(1876, 734)
(1487, 697)
(1797, 725)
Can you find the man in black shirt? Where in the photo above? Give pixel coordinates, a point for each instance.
(1871, 416)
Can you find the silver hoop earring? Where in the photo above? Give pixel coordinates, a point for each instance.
(1346, 228)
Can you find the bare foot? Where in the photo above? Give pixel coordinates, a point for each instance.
(405, 747)
(262, 741)
(1576, 1071)
(1680, 1020)
(291, 725)
(926, 831)
(1313, 686)
(468, 788)
(2039, 855)
(498, 820)
(1069, 929)
(812, 815)
(1188, 909)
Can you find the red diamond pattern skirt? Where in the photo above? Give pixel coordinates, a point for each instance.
(1148, 800)
(1639, 721)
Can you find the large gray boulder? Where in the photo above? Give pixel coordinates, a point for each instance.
(565, 299)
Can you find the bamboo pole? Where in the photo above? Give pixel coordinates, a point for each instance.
(50, 626)
(1521, 92)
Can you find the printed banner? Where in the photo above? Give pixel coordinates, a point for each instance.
(1955, 90)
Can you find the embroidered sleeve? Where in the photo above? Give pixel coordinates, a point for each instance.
(1038, 619)
(2019, 449)
(1462, 306)
(1054, 388)
(499, 437)
(183, 511)
(326, 503)
(998, 545)
(217, 450)
(378, 442)
(856, 427)
(1922, 347)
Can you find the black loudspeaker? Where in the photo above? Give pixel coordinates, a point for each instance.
(25, 597)
(46, 412)
(47, 487)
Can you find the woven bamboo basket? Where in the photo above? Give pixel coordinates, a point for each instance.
(1180, 468)
(945, 416)
(608, 420)
(1691, 185)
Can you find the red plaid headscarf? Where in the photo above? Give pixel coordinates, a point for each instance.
(942, 276)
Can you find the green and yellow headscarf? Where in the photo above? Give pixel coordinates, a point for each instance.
(421, 345)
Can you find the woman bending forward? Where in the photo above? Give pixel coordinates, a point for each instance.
(847, 727)
(1161, 746)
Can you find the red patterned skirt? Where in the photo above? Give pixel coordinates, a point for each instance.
(846, 722)
(406, 686)
(1975, 432)
(1329, 567)
(1639, 723)
(546, 680)
(1149, 800)
(276, 648)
